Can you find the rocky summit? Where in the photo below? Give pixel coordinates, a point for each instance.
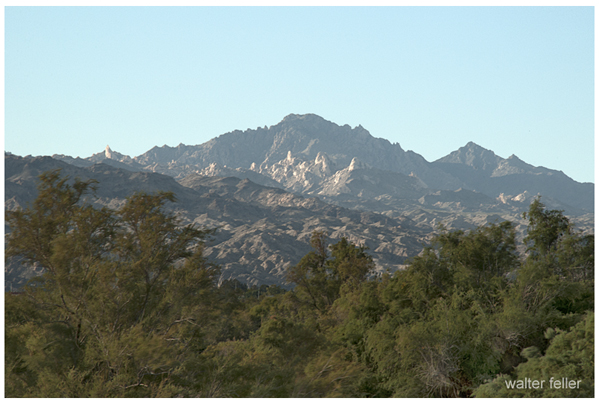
(266, 189)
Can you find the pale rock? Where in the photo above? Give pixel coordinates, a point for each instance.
(357, 165)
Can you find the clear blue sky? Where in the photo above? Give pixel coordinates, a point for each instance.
(516, 80)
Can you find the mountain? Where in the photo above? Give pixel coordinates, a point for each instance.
(261, 231)
(346, 166)
(304, 136)
(304, 154)
(267, 189)
(481, 170)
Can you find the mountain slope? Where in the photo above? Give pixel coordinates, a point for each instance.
(261, 231)
(303, 152)
(302, 135)
(481, 170)
(317, 142)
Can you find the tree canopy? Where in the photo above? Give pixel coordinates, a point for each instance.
(129, 307)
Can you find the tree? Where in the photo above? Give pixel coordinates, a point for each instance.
(123, 300)
(545, 228)
(310, 274)
(129, 307)
(319, 278)
(350, 264)
(559, 270)
(437, 335)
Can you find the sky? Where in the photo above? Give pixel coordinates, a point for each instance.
(515, 80)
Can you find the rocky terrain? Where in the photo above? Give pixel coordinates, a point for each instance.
(261, 231)
(267, 189)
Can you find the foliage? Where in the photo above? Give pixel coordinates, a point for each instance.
(129, 307)
(569, 356)
(122, 301)
(319, 278)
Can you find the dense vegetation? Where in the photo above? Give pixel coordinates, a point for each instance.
(128, 307)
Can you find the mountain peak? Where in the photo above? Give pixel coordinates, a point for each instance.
(472, 155)
(514, 158)
(472, 146)
(303, 117)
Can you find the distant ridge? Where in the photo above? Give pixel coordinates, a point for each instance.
(482, 170)
(309, 137)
